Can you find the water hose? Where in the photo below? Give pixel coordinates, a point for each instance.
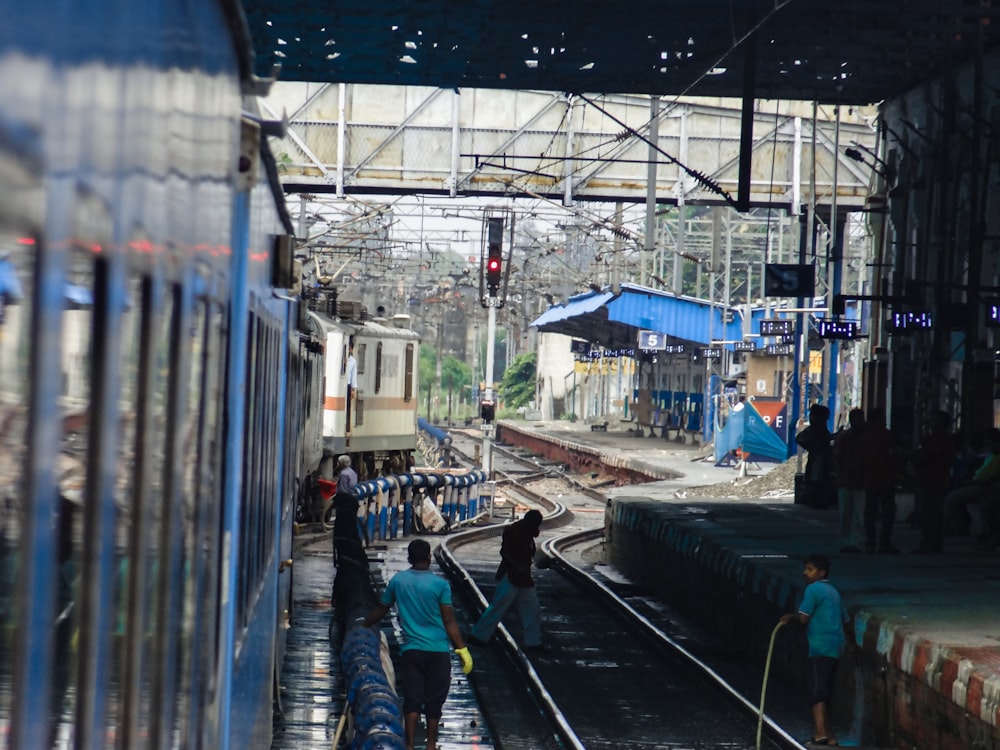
(763, 687)
(341, 724)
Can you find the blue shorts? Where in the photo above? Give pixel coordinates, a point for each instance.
(424, 679)
(822, 672)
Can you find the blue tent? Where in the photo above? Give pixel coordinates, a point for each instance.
(747, 431)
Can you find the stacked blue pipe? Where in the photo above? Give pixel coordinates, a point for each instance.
(386, 521)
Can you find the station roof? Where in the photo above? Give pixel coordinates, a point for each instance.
(843, 51)
(613, 320)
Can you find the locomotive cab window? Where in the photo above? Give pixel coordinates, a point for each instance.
(408, 374)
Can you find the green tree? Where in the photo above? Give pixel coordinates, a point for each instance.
(518, 385)
(499, 355)
(427, 366)
(456, 373)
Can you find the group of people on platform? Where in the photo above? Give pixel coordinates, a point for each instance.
(859, 468)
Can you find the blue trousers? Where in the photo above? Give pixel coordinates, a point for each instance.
(508, 595)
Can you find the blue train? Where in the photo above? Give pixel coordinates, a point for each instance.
(156, 375)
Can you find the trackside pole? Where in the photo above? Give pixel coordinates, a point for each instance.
(489, 426)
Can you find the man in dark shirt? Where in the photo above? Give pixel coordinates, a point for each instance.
(817, 440)
(879, 463)
(515, 586)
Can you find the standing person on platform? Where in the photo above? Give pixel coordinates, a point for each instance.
(352, 386)
(347, 477)
(879, 461)
(517, 549)
(816, 439)
(981, 489)
(932, 466)
(423, 600)
(827, 626)
(850, 481)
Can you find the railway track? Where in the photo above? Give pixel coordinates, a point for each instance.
(623, 672)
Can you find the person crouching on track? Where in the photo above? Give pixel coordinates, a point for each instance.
(827, 625)
(428, 621)
(517, 549)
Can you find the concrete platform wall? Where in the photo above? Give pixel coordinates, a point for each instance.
(900, 692)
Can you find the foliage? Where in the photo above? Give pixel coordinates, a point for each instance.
(518, 385)
(427, 366)
(455, 374)
(499, 355)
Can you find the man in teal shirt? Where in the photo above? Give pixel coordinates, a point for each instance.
(423, 600)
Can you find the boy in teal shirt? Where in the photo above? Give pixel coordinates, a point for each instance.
(826, 620)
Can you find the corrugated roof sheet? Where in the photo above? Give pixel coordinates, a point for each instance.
(614, 320)
(682, 317)
(579, 304)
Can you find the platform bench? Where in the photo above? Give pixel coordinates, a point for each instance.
(599, 427)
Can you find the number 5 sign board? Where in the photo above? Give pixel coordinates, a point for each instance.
(788, 280)
(652, 340)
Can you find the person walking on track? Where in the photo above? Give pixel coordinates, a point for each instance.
(428, 621)
(516, 586)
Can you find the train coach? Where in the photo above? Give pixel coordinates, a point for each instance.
(155, 381)
(374, 418)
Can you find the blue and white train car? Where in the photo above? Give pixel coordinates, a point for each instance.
(154, 382)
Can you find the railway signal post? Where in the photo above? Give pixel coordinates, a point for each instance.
(494, 270)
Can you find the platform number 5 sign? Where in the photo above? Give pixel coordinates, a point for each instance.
(652, 340)
(788, 280)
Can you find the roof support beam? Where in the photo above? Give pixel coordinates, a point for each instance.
(746, 124)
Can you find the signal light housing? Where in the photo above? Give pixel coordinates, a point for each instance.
(494, 257)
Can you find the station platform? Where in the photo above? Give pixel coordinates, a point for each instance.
(927, 673)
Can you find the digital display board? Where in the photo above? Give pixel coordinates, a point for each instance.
(779, 350)
(673, 349)
(837, 329)
(775, 327)
(745, 346)
(992, 318)
(908, 322)
(711, 352)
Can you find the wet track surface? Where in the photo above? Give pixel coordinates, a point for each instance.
(615, 689)
(312, 689)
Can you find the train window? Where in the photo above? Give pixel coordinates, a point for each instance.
(17, 291)
(408, 373)
(124, 491)
(152, 563)
(378, 367)
(191, 564)
(250, 469)
(361, 354)
(209, 522)
(77, 503)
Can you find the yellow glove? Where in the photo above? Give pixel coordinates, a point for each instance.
(466, 657)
